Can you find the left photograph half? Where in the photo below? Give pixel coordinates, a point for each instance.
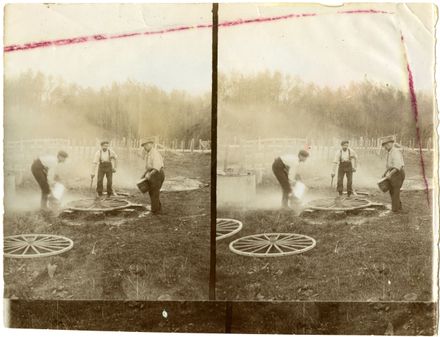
(107, 151)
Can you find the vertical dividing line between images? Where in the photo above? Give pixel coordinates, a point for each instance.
(212, 264)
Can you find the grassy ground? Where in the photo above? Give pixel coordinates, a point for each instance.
(358, 257)
(119, 256)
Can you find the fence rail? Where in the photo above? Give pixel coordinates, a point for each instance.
(259, 153)
(19, 154)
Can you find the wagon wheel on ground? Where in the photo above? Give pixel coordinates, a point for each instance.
(98, 205)
(272, 244)
(338, 204)
(35, 245)
(227, 228)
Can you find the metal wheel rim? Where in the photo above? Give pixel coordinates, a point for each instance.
(227, 227)
(333, 204)
(35, 245)
(96, 205)
(272, 244)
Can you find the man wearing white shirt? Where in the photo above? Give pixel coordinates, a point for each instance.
(394, 172)
(105, 160)
(346, 161)
(154, 173)
(287, 169)
(43, 169)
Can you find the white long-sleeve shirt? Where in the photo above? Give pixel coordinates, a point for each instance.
(50, 162)
(294, 165)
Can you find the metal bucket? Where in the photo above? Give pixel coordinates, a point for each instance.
(143, 185)
(384, 185)
(299, 189)
(58, 191)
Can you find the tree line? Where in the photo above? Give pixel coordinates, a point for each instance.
(40, 106)
(268, 104)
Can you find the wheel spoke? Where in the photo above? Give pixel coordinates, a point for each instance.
(288, 247)
(278, 248)
(35, 249)
(268, 249)
(50, 250)
(15, 250)
(25, 251)
(260, 248)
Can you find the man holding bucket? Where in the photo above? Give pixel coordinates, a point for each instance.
(394, 174)
(105, 160)
(43, 169)
(154, 175)
(287, 171)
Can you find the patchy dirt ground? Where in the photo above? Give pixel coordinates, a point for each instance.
(121, 255)
(360, 256)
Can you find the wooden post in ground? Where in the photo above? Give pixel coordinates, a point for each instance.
(191, 146)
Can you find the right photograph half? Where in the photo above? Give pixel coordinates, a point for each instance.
(326, 152)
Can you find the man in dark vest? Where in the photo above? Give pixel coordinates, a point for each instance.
(394, 172)
(346, 161)
(106, 160)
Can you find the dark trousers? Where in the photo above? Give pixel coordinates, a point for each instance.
(155, 183)
(40, 174)
(105, 169)
(396, 182)
(345, 169)
(281, 172)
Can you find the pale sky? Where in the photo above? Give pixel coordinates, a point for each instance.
(328, 49)
(331, 49)
(180, 60)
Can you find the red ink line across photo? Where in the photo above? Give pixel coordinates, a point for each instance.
(102, 37)
(415, 111)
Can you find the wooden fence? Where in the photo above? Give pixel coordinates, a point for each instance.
(259, 154)
(18, 155)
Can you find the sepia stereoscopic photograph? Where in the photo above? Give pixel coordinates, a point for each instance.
(266, 168)
(326, 153)
(107, 151)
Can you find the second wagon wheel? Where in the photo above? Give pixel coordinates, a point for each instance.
(227, 228)
(35, 245)
(338, 204)
(272, 244)
(98, 205)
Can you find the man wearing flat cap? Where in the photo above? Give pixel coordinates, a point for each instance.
(346, 161)
(154, 173)
(106, 160)
(394, 173)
